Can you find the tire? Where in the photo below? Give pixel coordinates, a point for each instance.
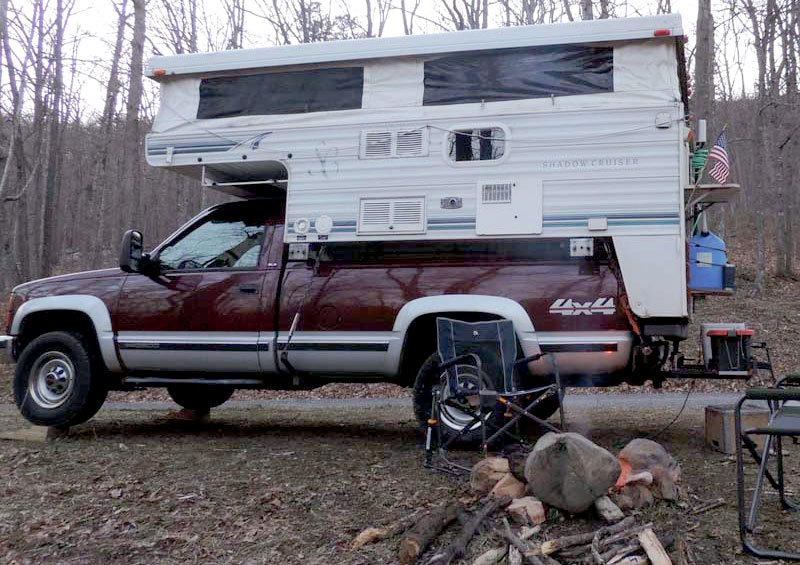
(59, 380)
(451, 420)
(200, 397)
(428, 377)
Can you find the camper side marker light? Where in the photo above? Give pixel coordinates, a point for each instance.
(159, 72)
(659, 32)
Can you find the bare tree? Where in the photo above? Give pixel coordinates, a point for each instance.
(408, 14)
(465, 14)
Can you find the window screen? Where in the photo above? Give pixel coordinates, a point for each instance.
(294, 92)
(479, 144)
(514, 74)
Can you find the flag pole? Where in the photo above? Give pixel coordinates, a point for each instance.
(703, 170)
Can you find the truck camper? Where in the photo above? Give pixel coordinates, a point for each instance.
(538, 173)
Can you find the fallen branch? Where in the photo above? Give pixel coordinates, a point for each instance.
(424, 531)
(459, 545)
(616, 555)
(607, 510)
(372, 534)
(520, 545)
(707, 506)
(624, 535)
(595, 547)
(655, 551)
(556, 545)
(491, 557)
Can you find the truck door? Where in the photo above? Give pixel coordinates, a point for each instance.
(203, 311)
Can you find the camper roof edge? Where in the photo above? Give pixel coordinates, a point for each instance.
(616, 29)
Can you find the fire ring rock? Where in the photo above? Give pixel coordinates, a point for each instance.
(647, 455)
(570, 472)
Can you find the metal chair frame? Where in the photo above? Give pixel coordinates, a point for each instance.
(489, 398)
(784, 421)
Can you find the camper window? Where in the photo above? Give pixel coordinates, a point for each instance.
(476, 144)
(294, 92)
(515, 74)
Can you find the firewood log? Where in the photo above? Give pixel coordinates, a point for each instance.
(655, 551)
(459, 544)
(424, 531)
(553, 546)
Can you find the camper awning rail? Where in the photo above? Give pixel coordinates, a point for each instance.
(619, 29)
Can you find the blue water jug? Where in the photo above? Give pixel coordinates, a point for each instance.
(707, 260)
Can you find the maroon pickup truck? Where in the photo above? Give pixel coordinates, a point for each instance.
(224, 304)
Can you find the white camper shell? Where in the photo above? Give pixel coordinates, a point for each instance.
(572, 130)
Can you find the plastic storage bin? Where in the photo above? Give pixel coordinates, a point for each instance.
(707, 261)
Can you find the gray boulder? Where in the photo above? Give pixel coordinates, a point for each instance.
(570, 472)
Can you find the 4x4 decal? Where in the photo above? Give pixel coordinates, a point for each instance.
(569, 307)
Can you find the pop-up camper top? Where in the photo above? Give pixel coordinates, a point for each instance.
(572, 130)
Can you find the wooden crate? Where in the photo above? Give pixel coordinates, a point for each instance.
(720, 426)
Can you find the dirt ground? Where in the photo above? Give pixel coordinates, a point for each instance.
(295, 486)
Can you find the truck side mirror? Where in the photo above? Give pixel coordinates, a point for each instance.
(130, 256)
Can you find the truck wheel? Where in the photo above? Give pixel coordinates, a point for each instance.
(200, 397)
(451, 420)
(58, 381)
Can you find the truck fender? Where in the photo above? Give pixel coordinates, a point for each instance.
(92, 306)
(494, 305)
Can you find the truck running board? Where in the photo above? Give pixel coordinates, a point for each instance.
(159, 381)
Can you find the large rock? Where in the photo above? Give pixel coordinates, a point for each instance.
(487, 473)
(569, 472)
(646, 455)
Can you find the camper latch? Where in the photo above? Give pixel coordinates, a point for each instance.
(581, 247)
(298, 252)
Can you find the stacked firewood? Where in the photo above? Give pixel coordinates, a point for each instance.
(566, 472)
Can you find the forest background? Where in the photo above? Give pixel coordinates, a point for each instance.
(74, 109)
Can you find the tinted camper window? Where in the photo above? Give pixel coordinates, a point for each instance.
(294, 92)
(514, 74)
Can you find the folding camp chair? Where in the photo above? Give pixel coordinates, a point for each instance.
(482, 377)
(784, 421)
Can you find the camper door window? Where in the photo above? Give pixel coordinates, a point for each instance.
(516, 74)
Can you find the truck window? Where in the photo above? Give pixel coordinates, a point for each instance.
(224, 240)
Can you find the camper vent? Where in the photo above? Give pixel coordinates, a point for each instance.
(386, 144)
(496, 193)
(391, 215)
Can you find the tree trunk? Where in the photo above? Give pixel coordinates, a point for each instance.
(131, 155)
(586, 9)
(100, 190)
(50, 221)
(703, 98)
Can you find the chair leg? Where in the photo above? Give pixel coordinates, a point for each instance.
(753, 449)
(751, 523)
(785, 502)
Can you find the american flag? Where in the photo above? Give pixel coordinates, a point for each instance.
(719, 157)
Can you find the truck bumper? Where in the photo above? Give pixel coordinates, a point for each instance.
(6, 349)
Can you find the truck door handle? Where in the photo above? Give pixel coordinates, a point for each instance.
(248, 288)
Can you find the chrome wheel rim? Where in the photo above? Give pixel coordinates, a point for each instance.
(451, 416)
(52, 379)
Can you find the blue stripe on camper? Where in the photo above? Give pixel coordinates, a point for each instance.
(464, 223)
